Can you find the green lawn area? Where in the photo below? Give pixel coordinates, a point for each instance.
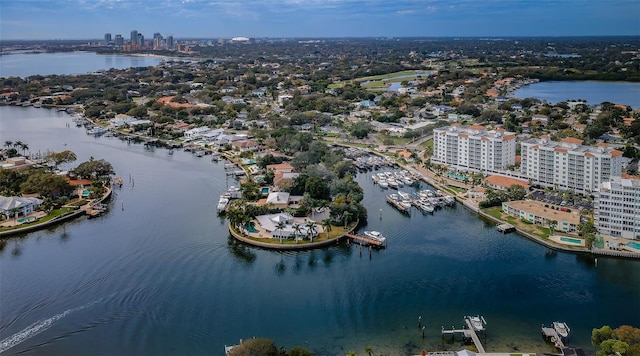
(380, 81)
(333, 233)
(53, 214)
(456, 189)
(537, 230)
(428, 143)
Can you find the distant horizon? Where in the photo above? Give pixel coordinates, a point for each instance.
(380, 38)
(76, 19)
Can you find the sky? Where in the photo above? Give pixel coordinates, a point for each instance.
(91, 19)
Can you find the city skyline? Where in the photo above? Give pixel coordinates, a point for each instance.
(89, 19)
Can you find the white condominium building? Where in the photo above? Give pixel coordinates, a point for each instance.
(617, 209)
(569, 165)
(474, 148)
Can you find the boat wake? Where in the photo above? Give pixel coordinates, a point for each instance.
(35, 329)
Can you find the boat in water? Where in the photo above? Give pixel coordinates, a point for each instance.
(477, 322)
(222, 204)
(562, 329)
(375, 235)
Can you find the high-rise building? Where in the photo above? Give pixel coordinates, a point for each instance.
(170, 44)
(157, 41)
(474, 148)
(140, 41)
(134, 38)
(119, 40)
(617, 208)
(107, 38)
(569, 165)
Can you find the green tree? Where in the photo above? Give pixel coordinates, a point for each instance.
(326, 225)
(612, 347)
(93, 169)
(46, 184)
(255, 347)
(279, 227)
(59, 158)
(311, 229)
(516, 192)
(600, 335)
(299, 351)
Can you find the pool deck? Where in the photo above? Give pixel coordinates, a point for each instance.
(558, 239)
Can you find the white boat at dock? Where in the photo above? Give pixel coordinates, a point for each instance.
(375, 235)
(477, 322)
(96, 131)
(562, 329)
(222, 203)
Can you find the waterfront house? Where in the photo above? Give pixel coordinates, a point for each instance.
(196, 133)
(16, 206)
(16, 163)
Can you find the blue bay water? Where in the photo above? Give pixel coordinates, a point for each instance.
(594, 92)
(162, 275)
(62, 63)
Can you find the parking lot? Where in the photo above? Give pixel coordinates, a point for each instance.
(558, 199)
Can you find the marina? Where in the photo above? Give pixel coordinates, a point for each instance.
(436, 266)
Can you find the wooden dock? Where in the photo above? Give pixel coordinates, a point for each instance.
(468, 333)
(505, 228)
(364, 240)
(551, 335)
(474, 336)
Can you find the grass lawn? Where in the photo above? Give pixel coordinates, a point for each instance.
(536, 230)
(333, 233)
(53, 214)
(380, 81)
(428, 143)
(456, 189)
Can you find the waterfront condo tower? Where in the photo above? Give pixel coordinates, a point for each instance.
(569, 165)
(474, 148)
(616, 209)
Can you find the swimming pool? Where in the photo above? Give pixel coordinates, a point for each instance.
(570, 240)
(26, 219)
(251, 228)
(85, 193)
(633, 245)
(265, 190)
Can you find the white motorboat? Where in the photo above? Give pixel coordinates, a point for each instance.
(561, 328)
(477, 322)
(222, 203)
(375, 235)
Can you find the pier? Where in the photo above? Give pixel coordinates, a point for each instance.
(552, 335)
(467, 333)
(364, 240)
(505, 228)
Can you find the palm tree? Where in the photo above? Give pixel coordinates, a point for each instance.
(311, 229)
(326, 225)
(297, 229)
(368, 350)
(18, 145)
(8, 144)
(279, 227)
(24, 147)
(345, 217)
(552, 226)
